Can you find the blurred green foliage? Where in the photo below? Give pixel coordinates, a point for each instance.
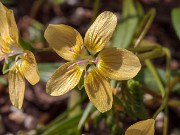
(175, 15)
(125, 30)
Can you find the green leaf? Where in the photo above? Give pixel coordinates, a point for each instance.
(3, 81)
(80, 85)
(57, 2)
(133, 100)
(85, 115)
(5, 68)
(175, 16)
(117, 130)
(68, 125)
(175, 74)
(47, 69)
(25, 45)
(74, 98)
(125, 31)
(8, 65)
(9, 2)
(145, 77)
(137, 99)
(35, 35)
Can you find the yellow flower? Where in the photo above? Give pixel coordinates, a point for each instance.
(91, 59)
(24, 64)
(145, 127)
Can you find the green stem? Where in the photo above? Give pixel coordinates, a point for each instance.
(166, 121)
(166, 90)
(95, 10)
(85, 115)
(144, 26)
(143, 49)
(151, 55)
(35, 8)
(156, 76)
(164, 103)
(171, 102)
(174, 103)
(168, 76)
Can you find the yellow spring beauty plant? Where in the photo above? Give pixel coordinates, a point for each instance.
(24, 64)
(90, 59)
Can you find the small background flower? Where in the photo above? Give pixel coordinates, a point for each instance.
(21, 63)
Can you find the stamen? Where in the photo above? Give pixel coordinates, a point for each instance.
(86, 74)
(69, 67)
(24, 54)
(16, 70)
(6, 60)
(71, 50)
(4, 57)
(84, 50)
(96, 60)
(17, 57)
(82, 47)
(80, 62)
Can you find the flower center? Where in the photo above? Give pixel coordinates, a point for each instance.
(85, 60)
(8, 48)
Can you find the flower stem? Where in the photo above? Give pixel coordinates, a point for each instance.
(95, 10)
(144, 26)
(156, 76)
(166, 92)
(152, 54)
(168, 76)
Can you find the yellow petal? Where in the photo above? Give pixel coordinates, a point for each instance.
(98, 90)
(100, 32)
(4, 31)
(16, 87)
(65, 40)
(64, 79)
(145, 127)
(29, 67)
(118, 64)
(13, 31)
